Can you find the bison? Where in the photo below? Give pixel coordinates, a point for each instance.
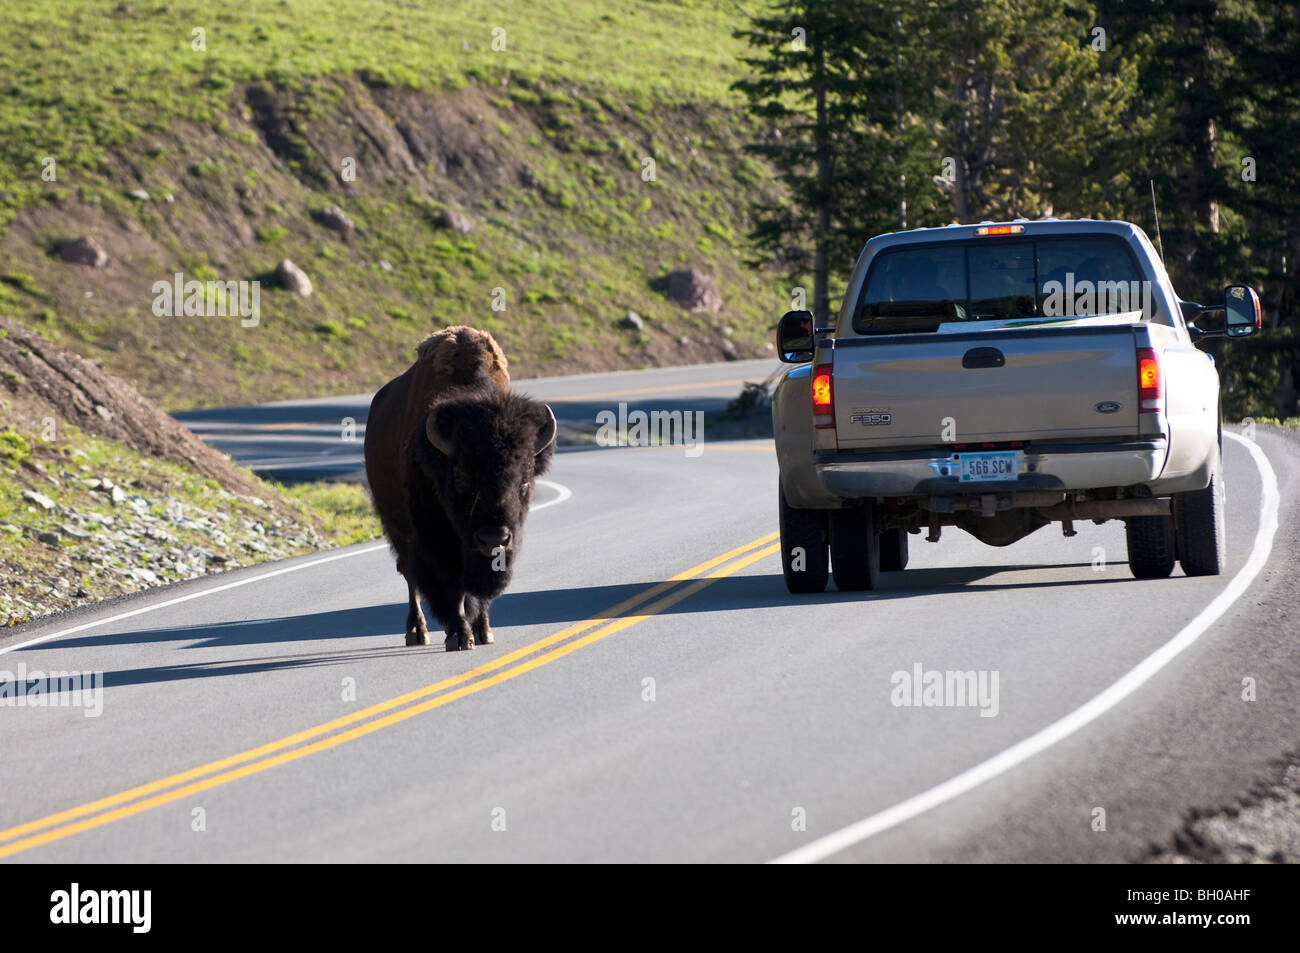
(452, 456)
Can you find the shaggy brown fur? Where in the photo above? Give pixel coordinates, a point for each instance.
(454, 514)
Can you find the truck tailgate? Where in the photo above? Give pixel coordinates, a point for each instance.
(1061, 383)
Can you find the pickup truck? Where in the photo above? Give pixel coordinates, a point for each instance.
(997, 378)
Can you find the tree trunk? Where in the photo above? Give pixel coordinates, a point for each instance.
(821, 262)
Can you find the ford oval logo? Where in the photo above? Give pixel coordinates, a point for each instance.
(1108, 407)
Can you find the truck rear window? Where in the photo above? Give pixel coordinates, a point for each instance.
(916, 288)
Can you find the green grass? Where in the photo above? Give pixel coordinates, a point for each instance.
(271, 235)
(343, 510)
(568, 228)
(13, 448)
(85, 75)
(332, 329)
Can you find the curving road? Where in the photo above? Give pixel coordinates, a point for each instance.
(321, 438)
(654, 694)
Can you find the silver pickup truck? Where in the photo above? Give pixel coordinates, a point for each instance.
(998, 378)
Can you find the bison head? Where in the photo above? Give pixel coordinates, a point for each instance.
(483, 451)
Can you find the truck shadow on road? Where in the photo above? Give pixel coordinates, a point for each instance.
(768, 591)
(520, 609)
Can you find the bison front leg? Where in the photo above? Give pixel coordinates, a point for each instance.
(454, 623)
(417, 630)
(476, 610)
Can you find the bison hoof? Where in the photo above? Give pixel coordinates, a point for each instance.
(456, 643)
(417, 638)
(485, 638)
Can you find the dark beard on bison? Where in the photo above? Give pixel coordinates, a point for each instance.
(479, 576)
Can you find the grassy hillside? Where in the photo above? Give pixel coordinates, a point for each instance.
(218, 163)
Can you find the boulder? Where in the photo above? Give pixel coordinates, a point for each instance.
(456, 221)
(40, 499)
(337, 219)
(84, 251)
(292, 278)
(694, 290)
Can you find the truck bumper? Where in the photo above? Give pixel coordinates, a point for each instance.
(1046, 467)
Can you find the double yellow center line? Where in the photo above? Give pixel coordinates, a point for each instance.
(365, 721)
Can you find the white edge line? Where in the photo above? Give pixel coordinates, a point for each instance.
(565, 493)
(1061, 729)
(189, 597)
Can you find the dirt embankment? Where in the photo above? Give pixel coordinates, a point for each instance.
(103, 405)
(102, 494)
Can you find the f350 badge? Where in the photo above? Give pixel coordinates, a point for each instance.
(872, 417)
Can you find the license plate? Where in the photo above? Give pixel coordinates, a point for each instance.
(979, 467)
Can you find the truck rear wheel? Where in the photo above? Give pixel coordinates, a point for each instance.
(803, 548)
(1199, 526)
(1150, 546)
(855, 549)
(893, 550)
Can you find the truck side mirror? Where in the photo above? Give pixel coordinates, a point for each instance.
(1203, 322)
(1241, 306)
(794, 337)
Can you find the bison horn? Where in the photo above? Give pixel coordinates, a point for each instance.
(435, 436)
(546, 434)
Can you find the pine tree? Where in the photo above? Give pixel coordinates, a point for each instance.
(888, 115)
(1269, 64)
(1025, 105)
(826, 105)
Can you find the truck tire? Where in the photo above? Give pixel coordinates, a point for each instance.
(855, 549)
(803, 548)
(893, 550)
(1150, 546)
(1199, 525)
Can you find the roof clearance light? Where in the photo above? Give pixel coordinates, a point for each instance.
(999, 230)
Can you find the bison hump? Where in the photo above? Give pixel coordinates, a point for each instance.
(462, 355)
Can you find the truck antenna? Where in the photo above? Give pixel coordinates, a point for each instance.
(1159, 243)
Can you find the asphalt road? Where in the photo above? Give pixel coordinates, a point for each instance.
(321, 439)
(654, 694)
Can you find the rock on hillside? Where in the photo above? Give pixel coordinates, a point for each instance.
(694, 290)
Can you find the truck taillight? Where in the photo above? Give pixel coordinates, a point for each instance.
(1151, 386)
(822, 400)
